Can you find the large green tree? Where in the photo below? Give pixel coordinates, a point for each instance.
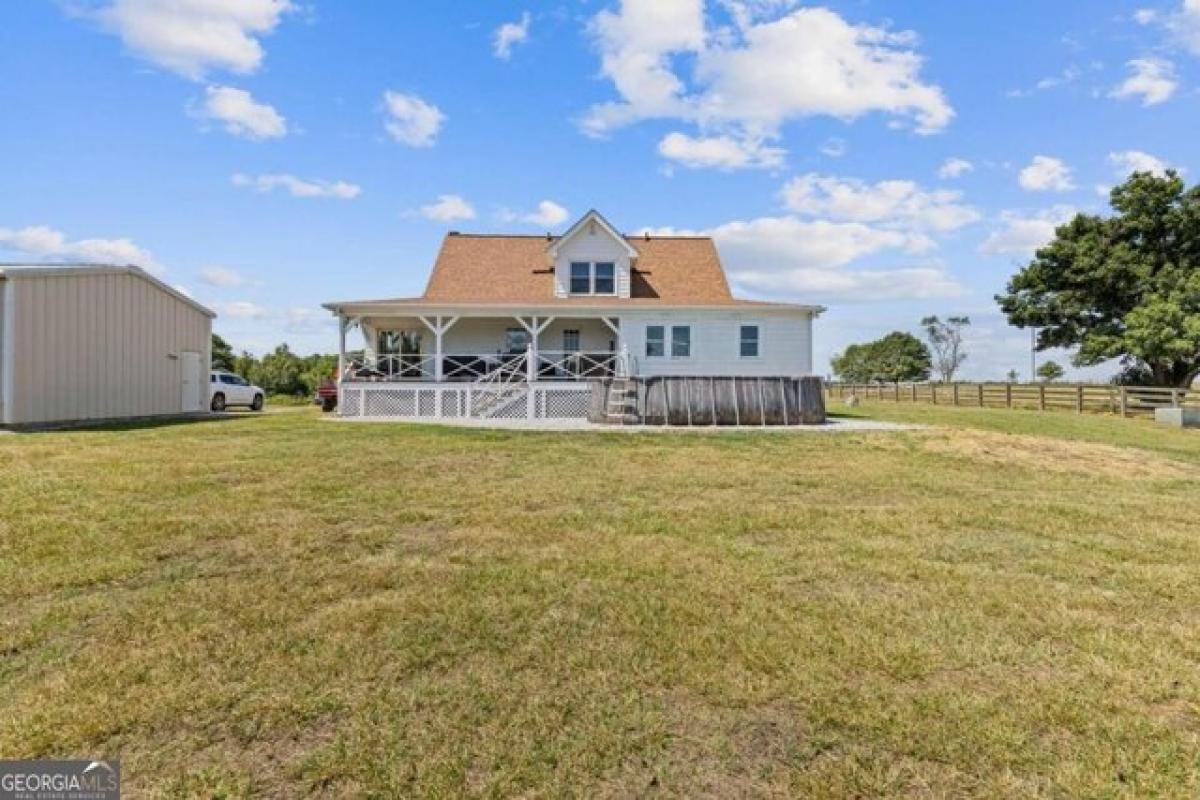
(896, 357)
(1125, 286)
(222, 353)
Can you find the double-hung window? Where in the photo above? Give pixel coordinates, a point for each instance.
(605, 278)
(748, 341)
(655, 341)
(593, 278)
(581, 277)
(681, 341)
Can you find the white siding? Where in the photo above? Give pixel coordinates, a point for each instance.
(103, 345)
(591, 244)
(486, 335)
(784, 342)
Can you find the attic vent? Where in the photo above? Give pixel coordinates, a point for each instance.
(592, 228)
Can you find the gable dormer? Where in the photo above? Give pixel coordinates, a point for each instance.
(592, 259)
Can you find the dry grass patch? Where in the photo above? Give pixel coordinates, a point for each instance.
(1055, 455)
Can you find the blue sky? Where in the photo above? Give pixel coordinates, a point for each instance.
(888, 160)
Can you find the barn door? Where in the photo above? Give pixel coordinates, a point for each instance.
(190, 363)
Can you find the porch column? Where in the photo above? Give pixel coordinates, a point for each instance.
(437, 351)
(341, 347)
(613, 324)
(535, 330)
(438, 327)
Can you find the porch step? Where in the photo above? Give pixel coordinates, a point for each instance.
(621, 404)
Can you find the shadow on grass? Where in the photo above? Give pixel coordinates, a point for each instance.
(142, 423)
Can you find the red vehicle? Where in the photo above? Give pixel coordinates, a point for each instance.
(327, 395)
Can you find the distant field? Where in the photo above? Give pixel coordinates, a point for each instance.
(1006, 605)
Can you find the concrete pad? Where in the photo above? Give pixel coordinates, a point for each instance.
(1178, 417)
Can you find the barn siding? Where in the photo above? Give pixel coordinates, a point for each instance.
(98, 345)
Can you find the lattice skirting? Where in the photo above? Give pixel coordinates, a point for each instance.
(433, 402)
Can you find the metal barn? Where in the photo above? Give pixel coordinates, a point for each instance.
(86, 343)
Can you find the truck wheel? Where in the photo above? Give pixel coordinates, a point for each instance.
(257, 404)
(218, 402)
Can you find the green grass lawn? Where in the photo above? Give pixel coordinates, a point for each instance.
(1007, 605)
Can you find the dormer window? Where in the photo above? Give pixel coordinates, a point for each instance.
(605, 278)
(588, 277)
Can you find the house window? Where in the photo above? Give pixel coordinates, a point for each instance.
(655, 341)
(681, 341)
(516, 340)
(589, 278)
(571, 341)
(581, 277)
(748, 342)
(605, 282)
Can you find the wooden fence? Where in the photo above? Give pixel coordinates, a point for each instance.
(1127, 401)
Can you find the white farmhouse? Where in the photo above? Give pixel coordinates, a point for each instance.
(544, 315)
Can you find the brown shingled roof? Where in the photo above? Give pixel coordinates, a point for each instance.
(517, 269)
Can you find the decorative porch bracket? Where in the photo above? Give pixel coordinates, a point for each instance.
(534, 329)
(438, 328)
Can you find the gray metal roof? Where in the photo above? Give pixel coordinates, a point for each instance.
(18, 270)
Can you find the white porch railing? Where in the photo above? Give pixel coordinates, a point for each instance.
(544, 365)
(450, 401)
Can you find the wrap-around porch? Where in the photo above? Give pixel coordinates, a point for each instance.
(446, 347)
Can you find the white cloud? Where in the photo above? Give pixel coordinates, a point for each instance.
(303, 319)
(242, 309)
(41, 241)
(891, 203)
(448, 208)
(411, 120)
(509, 35)
(1127, 162)
(1183, 25)
(851, 286)
(1022, 235)
(834, 147)
(747, 82)
(548, 215)
(191, 37)
(1046, 174)
(298, 187)
(719, 152)
(241, 114)
(810, 259)
(955, 168)
(222, 277)
(1152, 79)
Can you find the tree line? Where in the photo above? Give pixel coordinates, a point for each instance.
(279, 372)
(1122, 287)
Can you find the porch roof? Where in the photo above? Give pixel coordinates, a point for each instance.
(563, 307)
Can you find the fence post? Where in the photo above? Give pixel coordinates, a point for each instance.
(981, 395)
(933, 393)
(897, 391)
(1041, 397)
(1008, 395)
(1079, 399)
(914, 391)
(956, 394)
(1124, 402)
(1175, 401)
